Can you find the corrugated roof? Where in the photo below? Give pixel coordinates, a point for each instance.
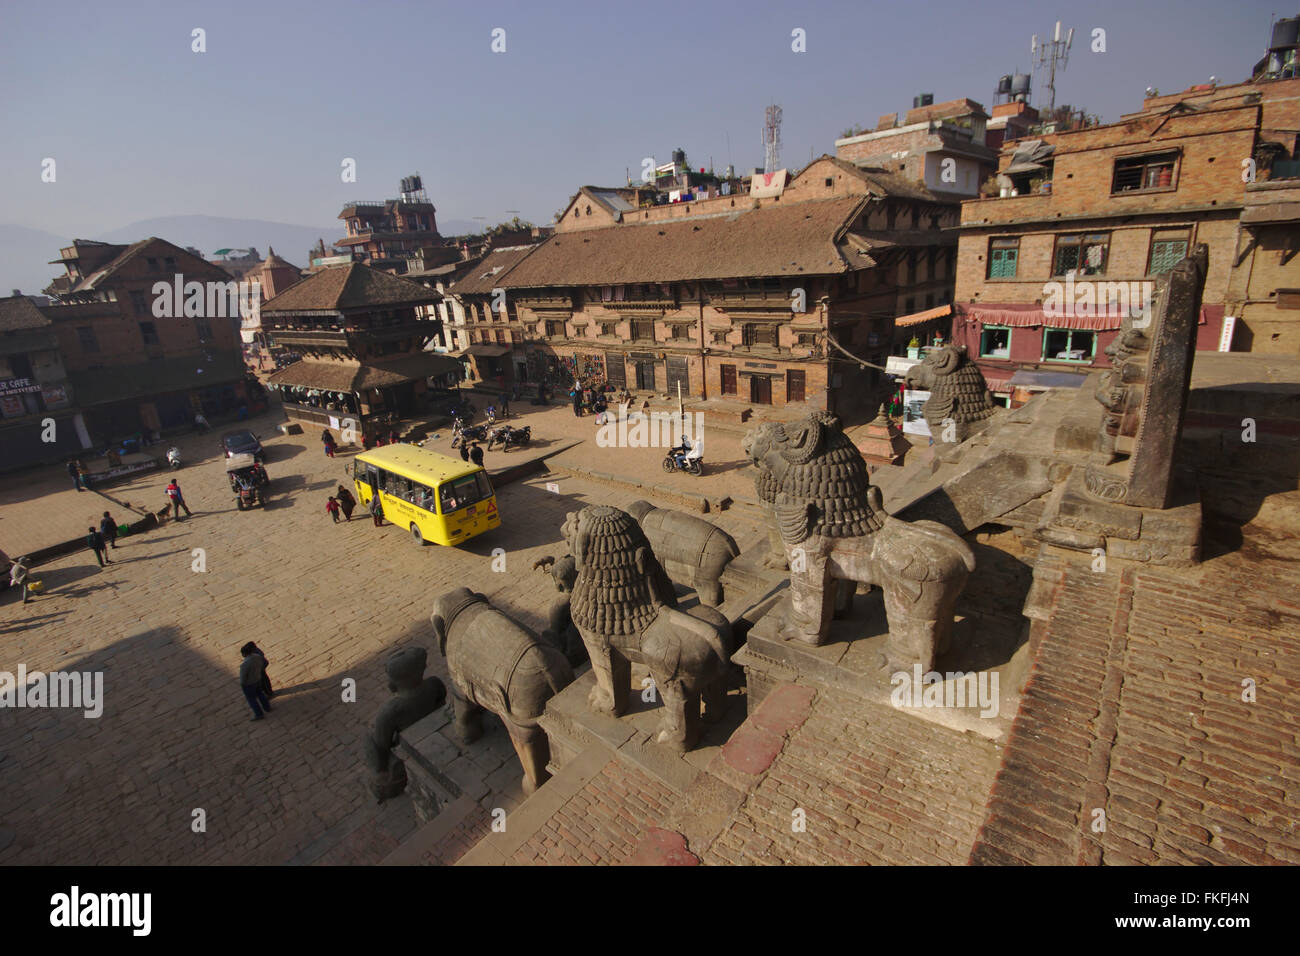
(176, 374)
(774, 240)
(352, 286)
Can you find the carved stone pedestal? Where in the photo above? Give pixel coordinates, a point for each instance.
(851, 662)
(1076, 518)
(572, 728)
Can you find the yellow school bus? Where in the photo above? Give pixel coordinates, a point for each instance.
(436, 497)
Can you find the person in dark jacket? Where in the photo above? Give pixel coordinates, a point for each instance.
(108, 528)
(251, 648)
(346, 501)
(74, 471)
(464, 451)
(251, 672)
(476, 455)
(95, 542)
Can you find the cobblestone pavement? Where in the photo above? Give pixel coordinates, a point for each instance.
(326, 602)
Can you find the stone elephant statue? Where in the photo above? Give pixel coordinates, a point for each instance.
(626, 610)
(414, 697)
(497, 664)
(685, 543)
(834, 529)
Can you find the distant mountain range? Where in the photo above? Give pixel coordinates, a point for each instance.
(25, 253)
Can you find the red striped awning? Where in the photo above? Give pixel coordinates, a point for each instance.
(998, 380)
(1022, 316)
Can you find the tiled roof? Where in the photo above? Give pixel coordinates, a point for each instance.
(99, 276)
(774, 240)
(353, 286)
(487, 274)
(336, 377)
(18, 313)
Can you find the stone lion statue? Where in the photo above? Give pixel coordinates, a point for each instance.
(958, 393)
(832, 527)
(414, 697)
(626, 610)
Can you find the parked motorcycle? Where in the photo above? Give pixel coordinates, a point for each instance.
(684, 458)
(491, 414)
(468, 434)
(174, 457)
(510, 437)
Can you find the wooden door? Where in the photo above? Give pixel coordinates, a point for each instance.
(728, 380)
(794, 382)
(760, 390)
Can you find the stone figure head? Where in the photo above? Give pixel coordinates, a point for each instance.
(564, 572)
(810, 467)
(405, 669)
(620, 584)
(958, 392)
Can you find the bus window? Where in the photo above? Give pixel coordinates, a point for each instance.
(423, 497)
(464, 491)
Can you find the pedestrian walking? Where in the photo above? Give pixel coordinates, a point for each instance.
(476, 455)
(251, 672)
(18, 577)
(251, 648)
(177, 499)
(464, 451)
(505, 405)
(327, 439)
(108, 528)
(95, 542)
(74, 471)
(577, 402)
(346, 501)
(376, 510)
(332, 506)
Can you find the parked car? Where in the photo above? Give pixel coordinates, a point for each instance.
(243, 442)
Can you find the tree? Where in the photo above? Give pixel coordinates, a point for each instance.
(514, 225)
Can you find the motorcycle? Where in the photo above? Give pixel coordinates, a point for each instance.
(174, 457)
(511, 437)
(467, 434)
(682, 458)
(491, 414)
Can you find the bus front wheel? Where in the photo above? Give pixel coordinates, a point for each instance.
(415, 533)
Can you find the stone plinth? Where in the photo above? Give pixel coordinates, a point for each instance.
(572, 729)
(851, 662)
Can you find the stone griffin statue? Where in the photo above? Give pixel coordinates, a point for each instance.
(958, 394)
(833, 528)
(414, 697)
(497, 664)
(626, 610)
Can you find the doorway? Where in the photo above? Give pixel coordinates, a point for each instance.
(760, 390)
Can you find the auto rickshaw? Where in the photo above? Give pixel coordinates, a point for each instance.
(248, 481)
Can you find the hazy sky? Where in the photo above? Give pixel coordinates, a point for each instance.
(257, 126)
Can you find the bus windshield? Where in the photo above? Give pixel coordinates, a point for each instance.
(462, 492)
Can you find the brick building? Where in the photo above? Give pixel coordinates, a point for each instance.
(1089, 219)
(138, 358)
(362, 336)
(273, 275)
(33, 387)
(702, 294)
(941, 145)
(385, 234)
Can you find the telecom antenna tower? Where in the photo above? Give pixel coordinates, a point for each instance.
(1047, 54)
(772, 139)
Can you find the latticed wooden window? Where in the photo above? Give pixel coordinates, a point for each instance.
(1167, 250)
(1003, 254)
(643, 330)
